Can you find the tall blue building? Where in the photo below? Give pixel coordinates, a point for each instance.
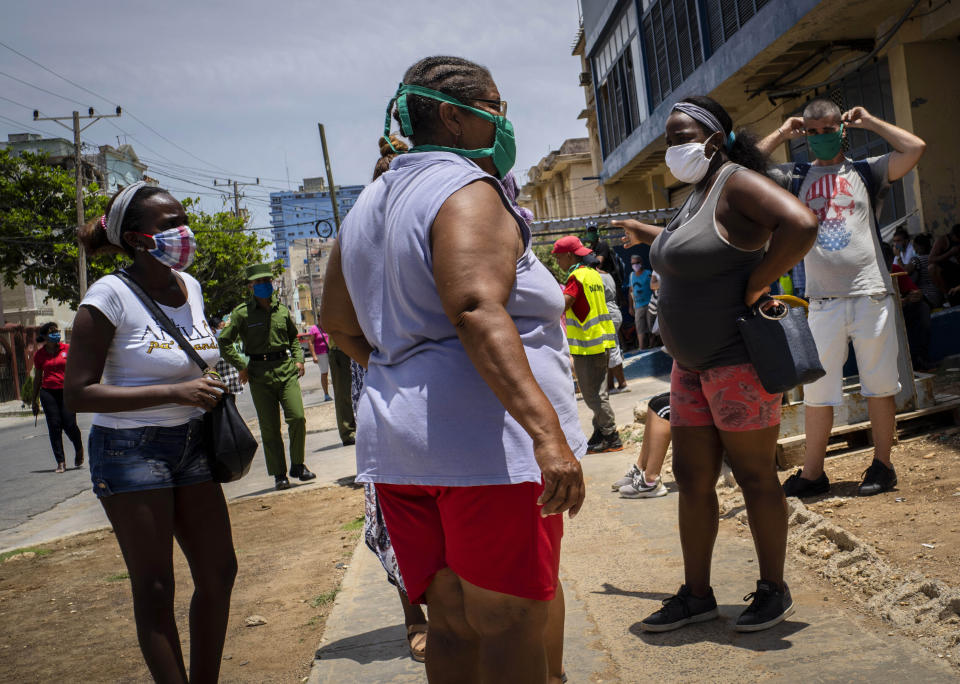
(299, 215)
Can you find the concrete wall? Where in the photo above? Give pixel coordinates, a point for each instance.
(930, 102)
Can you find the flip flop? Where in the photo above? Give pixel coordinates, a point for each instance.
(417, 640)
(61, 467)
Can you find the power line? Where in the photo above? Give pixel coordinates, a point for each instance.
(44, 90)
(19, 104)
(76, 85)
(105, 99)
(17, 123)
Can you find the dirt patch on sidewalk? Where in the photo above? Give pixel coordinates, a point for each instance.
(66, 612)
(893, 554)
(917, 526)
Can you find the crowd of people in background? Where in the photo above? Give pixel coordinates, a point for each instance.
(456, 376)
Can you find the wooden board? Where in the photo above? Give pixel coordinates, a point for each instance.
(790, 450)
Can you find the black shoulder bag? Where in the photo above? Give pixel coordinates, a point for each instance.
(780, 347)
(230, 444)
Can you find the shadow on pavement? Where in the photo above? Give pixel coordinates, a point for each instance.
(268, 490)
(721, 632)
(348, 481)
(329, 447)
(386, 643)
(610, 590)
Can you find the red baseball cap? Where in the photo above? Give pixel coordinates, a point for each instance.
(570, 243)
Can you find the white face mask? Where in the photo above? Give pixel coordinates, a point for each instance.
(688, 162)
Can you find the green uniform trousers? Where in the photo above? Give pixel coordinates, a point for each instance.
(268, 397)
(340, 375)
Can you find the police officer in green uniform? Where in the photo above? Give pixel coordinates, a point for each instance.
(269, 338)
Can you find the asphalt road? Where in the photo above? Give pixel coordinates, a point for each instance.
(29, 486)
(28, 483)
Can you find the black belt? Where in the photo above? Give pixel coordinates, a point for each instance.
(272, 356)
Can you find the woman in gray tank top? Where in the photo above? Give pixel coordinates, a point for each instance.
(737, 233)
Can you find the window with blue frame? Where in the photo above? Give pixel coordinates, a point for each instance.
(726, 17)
(615, 65)
(679, 35)
(672, 45)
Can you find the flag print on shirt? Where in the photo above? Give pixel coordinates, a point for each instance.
(831, 198)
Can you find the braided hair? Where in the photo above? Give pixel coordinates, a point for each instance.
(453, 76)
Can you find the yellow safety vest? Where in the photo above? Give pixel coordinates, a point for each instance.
(596, 333)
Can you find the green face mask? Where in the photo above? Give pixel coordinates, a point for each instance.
(826, 146)
(503, 150)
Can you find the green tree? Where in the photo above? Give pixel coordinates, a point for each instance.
(542, 252)
(224, 250)
(38, 237)
(38, 231)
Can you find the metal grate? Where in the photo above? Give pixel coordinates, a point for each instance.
(726, 17)
(672, 46)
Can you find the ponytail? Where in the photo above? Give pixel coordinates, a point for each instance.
(388, 151)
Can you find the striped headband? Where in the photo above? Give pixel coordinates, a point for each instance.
(700, 114)
(114, 220)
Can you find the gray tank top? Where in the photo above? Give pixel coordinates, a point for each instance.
(703, 279)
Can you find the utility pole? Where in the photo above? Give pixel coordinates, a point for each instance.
(333, 188)
(236, 192)
(75, 118)
(313, 300)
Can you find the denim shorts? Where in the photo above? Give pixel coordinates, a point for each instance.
(137, 459)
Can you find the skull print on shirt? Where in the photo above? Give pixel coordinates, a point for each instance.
(831, 198)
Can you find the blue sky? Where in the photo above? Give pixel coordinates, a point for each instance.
(233, 88)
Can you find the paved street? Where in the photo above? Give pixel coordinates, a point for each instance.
(38, 505)
(28, 485)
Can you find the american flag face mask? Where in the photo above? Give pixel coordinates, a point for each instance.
(174, 248)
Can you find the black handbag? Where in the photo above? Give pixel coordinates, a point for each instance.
(781, 349)
(230, 444)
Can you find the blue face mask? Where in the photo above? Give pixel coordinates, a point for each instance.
(53, 337)
(263, 290)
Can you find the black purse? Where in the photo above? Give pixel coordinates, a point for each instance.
(230, 444)
(780, 348)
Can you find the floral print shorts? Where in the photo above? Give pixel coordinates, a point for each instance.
(730, 398)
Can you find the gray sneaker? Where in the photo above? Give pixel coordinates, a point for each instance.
(627, 478)
(639, 489)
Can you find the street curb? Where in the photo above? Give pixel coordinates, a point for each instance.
(18, 413)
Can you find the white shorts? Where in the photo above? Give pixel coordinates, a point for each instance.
(867, 321)
(323, 363)
(616, 357)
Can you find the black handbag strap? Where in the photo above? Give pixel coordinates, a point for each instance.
(171, 328)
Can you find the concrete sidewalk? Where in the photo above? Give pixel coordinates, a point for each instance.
(365, 638)
(620, 558)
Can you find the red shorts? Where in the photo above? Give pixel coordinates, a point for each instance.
(728, 397)
(492, 536)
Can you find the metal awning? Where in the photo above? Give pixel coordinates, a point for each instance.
(546, 231)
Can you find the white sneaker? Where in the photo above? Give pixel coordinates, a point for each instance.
(639, 489)
(628, 478)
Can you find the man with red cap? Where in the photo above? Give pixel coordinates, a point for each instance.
(591, 335)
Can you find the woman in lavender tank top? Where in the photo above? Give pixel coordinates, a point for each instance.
(737, 233)
(467, 423)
